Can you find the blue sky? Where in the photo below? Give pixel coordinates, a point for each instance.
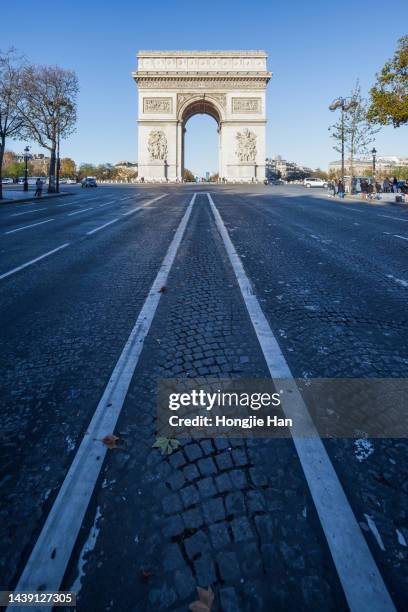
(316, 50)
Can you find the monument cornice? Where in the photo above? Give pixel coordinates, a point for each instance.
(219, 53)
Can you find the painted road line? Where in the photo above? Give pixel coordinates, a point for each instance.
(49, 558)
(402, 237)
(399, 281)
(130, 212)
(106, 203)
(394, 218)
(20, 229)
(91, 199)
(33, 261)
(68, 204)
(26, 212)
(102, 226)
(362, 583)
(76, 212)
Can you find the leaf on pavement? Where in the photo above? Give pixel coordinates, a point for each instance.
(110, 440)
(146, 575)
(204, 602)
(166, 445)
(163, 289)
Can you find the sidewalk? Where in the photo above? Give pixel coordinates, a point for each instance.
(385, 199)
(11, 195)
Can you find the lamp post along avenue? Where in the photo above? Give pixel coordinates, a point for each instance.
(26, 157)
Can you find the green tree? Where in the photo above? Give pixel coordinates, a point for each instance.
(188, 176)
(86, 170)
(68, 168)
(15, 169)
(389, 95)
(401, 172)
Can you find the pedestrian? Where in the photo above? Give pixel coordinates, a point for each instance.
(386, 185)
(38, 188)
(395, 185)
(340, 188)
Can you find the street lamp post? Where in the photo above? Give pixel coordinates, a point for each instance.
(374, 153)
(26, 150)
(58, 161)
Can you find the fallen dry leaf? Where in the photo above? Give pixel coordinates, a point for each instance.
(146, 575)
(166, 445)
(163, 289)
(204, 602)
(110, 440)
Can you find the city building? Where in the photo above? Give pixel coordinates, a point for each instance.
(129, 167)
(363, 165)
(277, 167)
(39, 163)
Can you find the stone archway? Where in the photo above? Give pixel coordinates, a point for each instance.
(228, 85)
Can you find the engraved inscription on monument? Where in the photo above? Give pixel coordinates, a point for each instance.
(246, 105)
(157, 105)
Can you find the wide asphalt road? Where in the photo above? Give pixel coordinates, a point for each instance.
(105, 292)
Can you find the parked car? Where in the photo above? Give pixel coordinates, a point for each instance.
(314, 182)
(71, 182)
(89, 181)
(7, 181)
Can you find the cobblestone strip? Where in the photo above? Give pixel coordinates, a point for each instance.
(50, 556)
(362, 582)
(231, 514)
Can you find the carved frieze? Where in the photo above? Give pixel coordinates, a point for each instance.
(157, 105)
(246, 105)
(225, 82)
(182, 98)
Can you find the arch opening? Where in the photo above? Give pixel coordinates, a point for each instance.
(202, 159)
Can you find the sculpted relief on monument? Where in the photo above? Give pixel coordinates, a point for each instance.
(157, 105)
(246, 105)
(182, 98)
(246, 146)
(157, 145)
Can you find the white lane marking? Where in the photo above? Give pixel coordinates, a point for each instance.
(394, 218)
(362, 583)
(402, 237)
(102, 226)
(353, 209)
(33, 261)
(19, 229)
(76, 212)
(130, 212)
(90, 199)
(26, 212)
(106, 203)
(67, 204)
(51, 553)
(400, 281)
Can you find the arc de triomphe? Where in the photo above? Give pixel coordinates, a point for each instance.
(228, 85)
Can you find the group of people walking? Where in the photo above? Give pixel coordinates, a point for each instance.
(390, 185)
(336, 188)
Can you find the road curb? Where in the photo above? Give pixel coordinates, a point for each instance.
(32, 198)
